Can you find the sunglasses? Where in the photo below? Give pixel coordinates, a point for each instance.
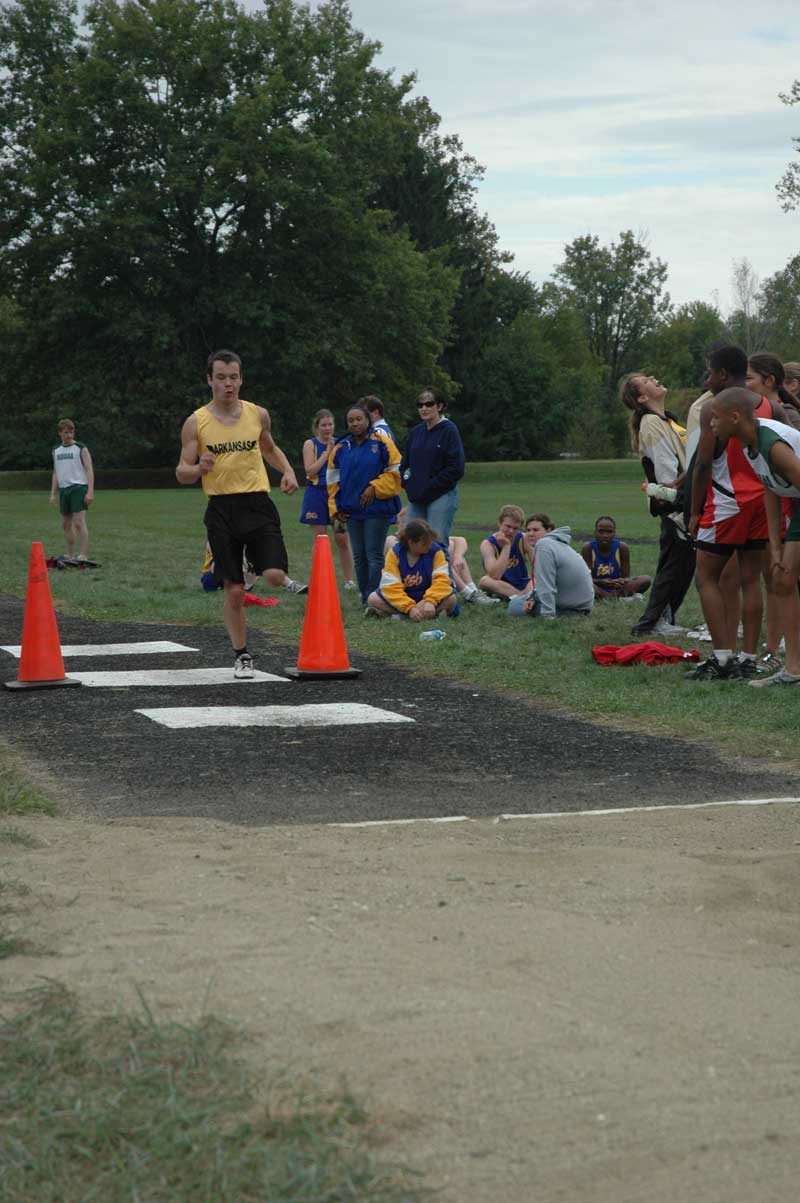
(426, 404)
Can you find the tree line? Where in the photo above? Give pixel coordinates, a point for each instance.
(181, 175)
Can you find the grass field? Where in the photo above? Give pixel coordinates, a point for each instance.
(150, 544)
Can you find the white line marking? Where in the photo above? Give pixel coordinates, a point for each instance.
(323, 715)
(111, 649)
(567, 814)
(169, 676)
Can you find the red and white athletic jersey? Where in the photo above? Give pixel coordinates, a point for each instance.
(733, 511)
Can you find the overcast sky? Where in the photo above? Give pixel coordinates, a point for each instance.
(595, 116)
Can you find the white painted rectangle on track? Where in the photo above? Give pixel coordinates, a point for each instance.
(112, 649)
(327, 714)
(169, 676)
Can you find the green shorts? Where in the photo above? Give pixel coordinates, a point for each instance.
(72, 500)
(793, 530)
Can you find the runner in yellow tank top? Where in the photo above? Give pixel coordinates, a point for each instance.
(224, 445)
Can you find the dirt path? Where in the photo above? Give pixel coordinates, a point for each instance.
(587, 1009)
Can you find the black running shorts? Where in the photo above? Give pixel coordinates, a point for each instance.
(240, 524)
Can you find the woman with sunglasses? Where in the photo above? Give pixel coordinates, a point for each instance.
(433, 464)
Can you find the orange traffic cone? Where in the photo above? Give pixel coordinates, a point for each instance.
(323, 651)
(41, 665)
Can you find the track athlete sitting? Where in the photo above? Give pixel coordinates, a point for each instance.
(415, 581)
(504, 557)
(460, 570)
(609, 561)
(773, 452)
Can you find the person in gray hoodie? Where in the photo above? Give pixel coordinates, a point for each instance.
(562, 580)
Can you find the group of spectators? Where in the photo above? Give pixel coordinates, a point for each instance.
(354, 484)
(725, 487)
(729, 508)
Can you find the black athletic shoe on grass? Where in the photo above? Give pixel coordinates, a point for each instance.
(712, 670)
(747, 669)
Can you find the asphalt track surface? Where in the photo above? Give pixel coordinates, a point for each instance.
(469, 752)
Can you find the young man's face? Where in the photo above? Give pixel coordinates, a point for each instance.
(509, 526)
(717, 380)
(67, 435)
(604, 532)
(534, 531)
(225, 381)
(724, 422)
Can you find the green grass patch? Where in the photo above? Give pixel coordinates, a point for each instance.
(18, 794)
(19, 838)
(119, 1108)
(150, 545)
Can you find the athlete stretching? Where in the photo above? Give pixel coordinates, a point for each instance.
(224, 445)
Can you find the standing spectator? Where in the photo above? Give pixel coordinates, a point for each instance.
(433, 464)
(766, 376)
(363, 484)
(374, 407)
(73, 477)
(791, 381)
(658, 438)
(314, 509)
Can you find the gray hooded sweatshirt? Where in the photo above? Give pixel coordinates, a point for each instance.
(563, 581)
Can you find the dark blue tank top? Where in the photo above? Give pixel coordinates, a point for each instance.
(606, 567)
(517, 574)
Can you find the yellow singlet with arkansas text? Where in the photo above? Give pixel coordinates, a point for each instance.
(239, 466)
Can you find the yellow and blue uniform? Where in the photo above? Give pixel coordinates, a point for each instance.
(314, 510)
(517, 574)
(353, 466)
(403, 584)
(606, 566)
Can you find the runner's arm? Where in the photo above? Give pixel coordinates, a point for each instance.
(189, 470)
(274, 456)
(704, 458)
(86, 460)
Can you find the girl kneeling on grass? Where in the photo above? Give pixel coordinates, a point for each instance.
(415, 582)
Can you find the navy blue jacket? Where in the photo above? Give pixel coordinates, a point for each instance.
(433, 461)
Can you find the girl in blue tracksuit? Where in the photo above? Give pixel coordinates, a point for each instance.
(363, 485)
(314, 510)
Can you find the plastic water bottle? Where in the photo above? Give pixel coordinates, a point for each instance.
(660, 492)
(437, 634)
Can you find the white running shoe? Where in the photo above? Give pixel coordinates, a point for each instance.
(295, 586)
(243, 667)
(479, 598)
(350, 585)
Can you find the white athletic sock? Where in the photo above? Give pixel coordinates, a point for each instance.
(747, 655)
(469, 591)
(722, 655)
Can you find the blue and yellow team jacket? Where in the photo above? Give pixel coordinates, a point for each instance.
(427, 579)
(352, 466)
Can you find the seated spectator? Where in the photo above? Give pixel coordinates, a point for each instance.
(609, 561)
(460, 570)
(562, 581)
(504, 556)
(415, 582)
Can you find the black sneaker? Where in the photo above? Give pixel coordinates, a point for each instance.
(712, 670)
(747, 668)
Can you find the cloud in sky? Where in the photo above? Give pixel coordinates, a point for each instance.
(603, 115)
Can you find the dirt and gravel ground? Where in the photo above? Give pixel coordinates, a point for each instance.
(578, 1009)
